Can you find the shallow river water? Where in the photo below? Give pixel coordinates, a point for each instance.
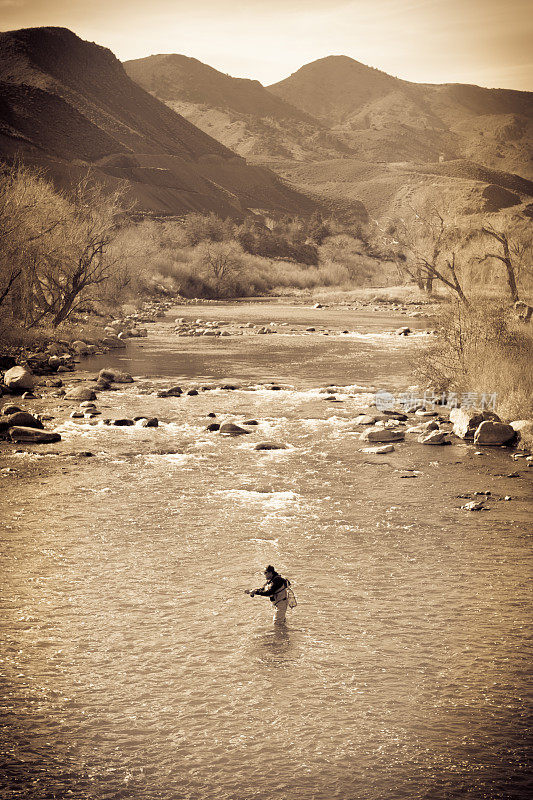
(134, 666)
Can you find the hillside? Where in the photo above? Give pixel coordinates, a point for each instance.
(68, 105)
(238, 112)
(384, 118)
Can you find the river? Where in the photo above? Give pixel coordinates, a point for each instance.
(133, 664)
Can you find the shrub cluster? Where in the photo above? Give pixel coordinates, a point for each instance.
(486, 349)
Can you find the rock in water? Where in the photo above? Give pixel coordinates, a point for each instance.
(473, 506)
(494, 433)
(114, 376)
(270, 446)
(230, 429)
(21, 434)
(395, 415)
(23, 419)
(151, 422)
(113, 342)
(365, 419)
(524, 429)
(123, 422)
(383, 435)
(80, 393)
(19, 379)
(10, 409)
(174, 391)
(467, 420)
(434, 437)
(378, 451)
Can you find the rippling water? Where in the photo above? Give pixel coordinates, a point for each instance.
(134, 666)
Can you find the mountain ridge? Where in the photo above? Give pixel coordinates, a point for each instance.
(68, 105)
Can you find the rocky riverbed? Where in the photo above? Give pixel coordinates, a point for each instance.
(133, 661)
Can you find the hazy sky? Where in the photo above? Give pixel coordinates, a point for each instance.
(488, 42)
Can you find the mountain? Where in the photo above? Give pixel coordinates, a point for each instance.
(347, 134)
(381, 117)
(239, 112)
(68, 105)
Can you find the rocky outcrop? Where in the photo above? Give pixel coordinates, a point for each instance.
(19, 379)
(494, 433)
(467, 420)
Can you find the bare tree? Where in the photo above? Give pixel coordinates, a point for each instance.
(29, 214)
(426, 246)
(79, 256)
(510, 255)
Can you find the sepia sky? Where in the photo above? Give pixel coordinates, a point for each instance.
(487, 42)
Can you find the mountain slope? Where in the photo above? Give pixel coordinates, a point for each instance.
(240, 113)
(67, 105)
(375, 114)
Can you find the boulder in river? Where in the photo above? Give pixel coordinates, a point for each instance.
(9, 408)
(467, 420)
(113, 342)
(114, 376)
(494, 433)
(524, 429)
(33, 435)
(19, 379)
(378, 451)
(123, 422)
(270, 446)
(80, 348)
(213, 426)
(80, 393)
(434, 437)
(174, 391)
(151, 422)
(383, 435)
(230, 429)
(474, 506)
(394, 414)
(22, 419)
(365, 419)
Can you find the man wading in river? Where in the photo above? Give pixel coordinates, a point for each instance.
(275, 588)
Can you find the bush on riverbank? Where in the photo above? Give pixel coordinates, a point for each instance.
(483, 349)
(206, 257)
(65, 253)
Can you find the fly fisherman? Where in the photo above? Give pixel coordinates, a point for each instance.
(275, 588)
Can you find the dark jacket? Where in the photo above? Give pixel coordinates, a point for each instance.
(273, 588)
